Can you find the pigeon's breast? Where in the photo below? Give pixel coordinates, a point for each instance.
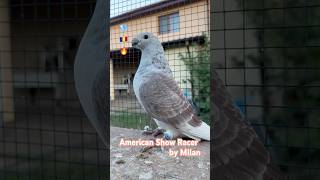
(139, 78)
(137, 81)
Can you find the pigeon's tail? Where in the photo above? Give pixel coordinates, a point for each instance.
(199, 132)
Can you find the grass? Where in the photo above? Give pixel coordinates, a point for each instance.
(129, 119)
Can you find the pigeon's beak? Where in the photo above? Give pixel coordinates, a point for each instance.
(134, 42)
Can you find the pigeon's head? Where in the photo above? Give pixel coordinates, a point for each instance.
(144, 40)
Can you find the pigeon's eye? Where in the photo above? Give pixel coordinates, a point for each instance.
(145, 36)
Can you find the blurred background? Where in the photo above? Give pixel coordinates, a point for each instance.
(268, 54)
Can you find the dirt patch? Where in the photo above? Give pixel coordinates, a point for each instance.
(155, 163)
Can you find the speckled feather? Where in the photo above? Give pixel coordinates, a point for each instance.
(159, 93)
(237, 152)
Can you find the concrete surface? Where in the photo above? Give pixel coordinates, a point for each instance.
(133, 163)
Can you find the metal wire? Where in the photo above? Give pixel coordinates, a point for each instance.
(265, 51)
(188, 34)
(274, 46)
(49, 136)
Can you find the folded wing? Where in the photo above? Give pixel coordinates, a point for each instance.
(237, 152)
(163, 100)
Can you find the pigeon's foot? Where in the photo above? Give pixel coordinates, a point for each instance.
(154, 132)
(157, 132)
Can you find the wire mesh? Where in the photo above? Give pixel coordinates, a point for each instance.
(44, 133)
(183, 29)
(265, 51)
(267, 54)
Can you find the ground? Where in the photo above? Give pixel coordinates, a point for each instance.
(134, 163)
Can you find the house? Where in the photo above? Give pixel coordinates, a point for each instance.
(39, 41)
(177, 24)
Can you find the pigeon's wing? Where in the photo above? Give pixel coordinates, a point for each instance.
(237, 151)
(90, 72)
(162, 98)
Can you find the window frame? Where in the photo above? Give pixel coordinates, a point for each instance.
(169, 24)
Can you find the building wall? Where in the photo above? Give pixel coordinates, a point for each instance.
(193, 22)
(121, 71)
(178, 67)
(32, 42)
(31, 39)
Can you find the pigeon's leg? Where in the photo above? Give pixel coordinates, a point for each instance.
(154, 132)
(157, 131)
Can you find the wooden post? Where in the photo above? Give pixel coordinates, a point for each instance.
(6, 80)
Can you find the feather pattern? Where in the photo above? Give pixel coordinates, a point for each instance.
(160, 95)
(237, 151)
(162, 98)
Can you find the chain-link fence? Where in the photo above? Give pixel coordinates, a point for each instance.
(183, 29)
(266, 52)
(44, 133)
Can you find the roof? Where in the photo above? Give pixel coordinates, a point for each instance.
(150, 9)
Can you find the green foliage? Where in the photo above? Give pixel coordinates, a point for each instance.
(197, 63)
(129, 119)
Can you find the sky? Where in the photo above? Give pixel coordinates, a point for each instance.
(121, 6)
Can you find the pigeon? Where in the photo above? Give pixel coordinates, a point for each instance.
(160, 95)
(236, 151)
(90, 72)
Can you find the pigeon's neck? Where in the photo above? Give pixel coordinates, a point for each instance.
(149, 54)
(153, 59)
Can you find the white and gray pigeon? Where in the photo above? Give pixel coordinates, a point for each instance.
(237, 152)
(159, 93)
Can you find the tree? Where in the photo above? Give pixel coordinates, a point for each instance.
(197, 63)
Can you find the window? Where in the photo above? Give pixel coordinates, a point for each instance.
(169, 23)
